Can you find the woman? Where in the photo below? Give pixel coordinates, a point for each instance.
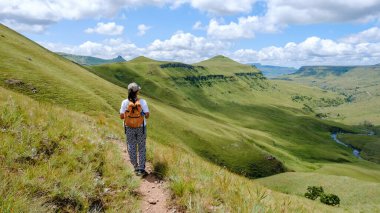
(134, 111)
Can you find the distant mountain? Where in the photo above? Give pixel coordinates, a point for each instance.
(270, 71)
(89, 60)
(323, 71)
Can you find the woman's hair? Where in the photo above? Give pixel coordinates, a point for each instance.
(132, 96)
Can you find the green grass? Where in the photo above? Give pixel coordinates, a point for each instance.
(203, 187)
(54, 159)
(55, 79)
(224, 65)
(354, 194)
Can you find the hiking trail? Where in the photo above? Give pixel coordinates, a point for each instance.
(153, 191)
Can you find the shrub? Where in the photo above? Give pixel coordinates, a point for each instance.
(330, 199)
(313, 192)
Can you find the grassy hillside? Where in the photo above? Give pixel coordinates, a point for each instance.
(360, 86)
(30, 69)
(89, 60)
(354, 194)
(245, 123)
(57, 160)
(271, 123)
(224, 65)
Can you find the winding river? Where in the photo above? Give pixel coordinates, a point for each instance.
(356, 152)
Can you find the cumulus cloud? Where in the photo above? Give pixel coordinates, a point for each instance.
(179, 47)
(34, 28)
(245, 28)
(107, 49)
(309, 12)
(278, 13)
(281, 13)
(370, 35)
(223, 7)
(186, 47)
(142, 28)
(313, 51)
(198, 26)
(110, 28)
(44, 13)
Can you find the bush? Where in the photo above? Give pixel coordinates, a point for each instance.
(330, 199)
(313, 192)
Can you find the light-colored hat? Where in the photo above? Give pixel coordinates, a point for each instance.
(133, 87)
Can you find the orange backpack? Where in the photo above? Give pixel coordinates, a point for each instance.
(133, 117)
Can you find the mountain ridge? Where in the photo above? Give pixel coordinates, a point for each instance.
(90, 60)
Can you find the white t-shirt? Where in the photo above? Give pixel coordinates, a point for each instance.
(144, 106)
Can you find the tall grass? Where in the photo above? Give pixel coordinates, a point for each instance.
(199, 186)
(55, 160)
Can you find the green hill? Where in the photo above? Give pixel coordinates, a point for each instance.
(359, 84)
(224, 65)
(89, 60)
(206, 121)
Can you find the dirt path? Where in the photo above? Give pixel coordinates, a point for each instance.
(153, 191)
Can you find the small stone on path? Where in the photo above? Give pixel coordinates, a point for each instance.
(151, 201)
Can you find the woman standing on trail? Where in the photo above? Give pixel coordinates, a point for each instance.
(134, 111)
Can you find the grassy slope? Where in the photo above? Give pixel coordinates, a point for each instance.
(56, 159)
(169, 120)
(224, 65)
(56, 79)
(270, 122)
(348, 189)
(360, 84)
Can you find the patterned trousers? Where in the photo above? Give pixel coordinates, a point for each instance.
(136, 140)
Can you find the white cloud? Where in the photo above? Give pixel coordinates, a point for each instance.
(142, 28)
(185, 47)
(284, 12)
(313, 51)
(278, 13)
(179, 47)
(44, 13)
(370, 35)
(198, 26)
(33, 28)
(107, 49)
(223, 7)
(110, 28)
(245, 28)
(281, 13)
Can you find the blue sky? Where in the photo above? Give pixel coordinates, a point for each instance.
(278, 32)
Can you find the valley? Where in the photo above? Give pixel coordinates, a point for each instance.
(221, 133)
